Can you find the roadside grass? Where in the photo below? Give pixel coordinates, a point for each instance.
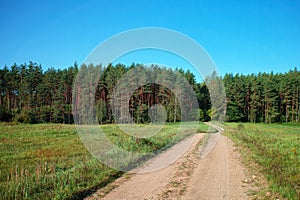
(276, 148)
(49, 161)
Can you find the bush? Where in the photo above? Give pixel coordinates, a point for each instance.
(240, 127)
(26, 116)
(5, 116)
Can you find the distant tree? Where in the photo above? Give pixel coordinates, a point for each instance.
(27, 94)
(217, 96)
(101, 110)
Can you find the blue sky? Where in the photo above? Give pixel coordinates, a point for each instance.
(240, 36)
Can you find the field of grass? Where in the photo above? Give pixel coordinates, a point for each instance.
(49, 161)
(276, 148)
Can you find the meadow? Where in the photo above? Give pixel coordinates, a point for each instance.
(49, 161)
(276, 149)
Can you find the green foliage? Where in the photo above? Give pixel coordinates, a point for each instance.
(5, 116)
(29, 95)
(240, 127)
(217, 97)
(276, 148)
(263, 97)
(28, 116)
(101, 110)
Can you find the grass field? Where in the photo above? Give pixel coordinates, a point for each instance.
(48, 161)
(276, 148)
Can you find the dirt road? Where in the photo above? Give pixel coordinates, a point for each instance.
(218, 175)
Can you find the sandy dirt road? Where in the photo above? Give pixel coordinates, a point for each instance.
(218, 175)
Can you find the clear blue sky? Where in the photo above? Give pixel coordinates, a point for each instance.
(240, 36)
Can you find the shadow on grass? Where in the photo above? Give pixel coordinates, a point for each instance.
(89, 191)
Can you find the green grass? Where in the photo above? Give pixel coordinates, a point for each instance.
(49, 161)
(276, 148)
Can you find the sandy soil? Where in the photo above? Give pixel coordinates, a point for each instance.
(218, 175)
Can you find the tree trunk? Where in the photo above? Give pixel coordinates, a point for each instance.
(175, 109)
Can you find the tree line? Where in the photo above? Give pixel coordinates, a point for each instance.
(263, 97)
(30, 95)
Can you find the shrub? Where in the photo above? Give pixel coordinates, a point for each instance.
(4, 115)
(240, 127)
